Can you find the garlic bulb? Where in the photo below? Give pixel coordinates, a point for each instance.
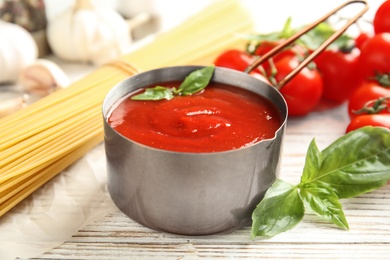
(88, 34)
(17, 50)
(42, 78)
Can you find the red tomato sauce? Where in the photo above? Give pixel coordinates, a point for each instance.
(220, 118)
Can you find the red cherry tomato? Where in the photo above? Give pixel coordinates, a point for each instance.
(304, 91)
(375, 56)
(368, 91)
(382, 120)
(381, 20)
(234, 59)
(265, 46)
(338, 70)
(362, 39)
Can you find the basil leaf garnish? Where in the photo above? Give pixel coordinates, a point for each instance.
(280, 210)
(156, 93)
(356, 163)
(196, 81)
(312, 164)
(193, 83)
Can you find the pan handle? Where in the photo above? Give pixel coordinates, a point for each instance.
(316, 52)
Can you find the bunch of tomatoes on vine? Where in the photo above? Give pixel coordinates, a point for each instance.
(353, 69)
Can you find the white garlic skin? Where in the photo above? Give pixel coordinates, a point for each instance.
(17, 50)
(11, 101)
(88, 35)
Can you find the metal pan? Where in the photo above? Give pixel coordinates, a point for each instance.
(196, 193)
(190, 193)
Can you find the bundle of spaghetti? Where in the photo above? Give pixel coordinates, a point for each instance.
(40, 141)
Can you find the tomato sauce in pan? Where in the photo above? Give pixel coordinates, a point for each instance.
(220, 118)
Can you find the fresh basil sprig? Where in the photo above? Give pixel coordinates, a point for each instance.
(356, 163)
(193, 83)
(311, 40)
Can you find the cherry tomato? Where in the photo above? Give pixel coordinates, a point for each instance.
(381, 20)
(338, 70)
(304, 91)
(234, 59)
(375, 56)
(362, 39)
(382, 120)
(265, 46)
(368, 91)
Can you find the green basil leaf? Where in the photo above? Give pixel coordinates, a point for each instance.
(156, 93)
(311, 40)
(356, 163)
(280, 210)
(312, 164)
(315, 37)
(287, 30)
(196, 81)
(349, 189)
(324, 203)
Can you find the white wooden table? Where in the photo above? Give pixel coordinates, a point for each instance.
(115, 236)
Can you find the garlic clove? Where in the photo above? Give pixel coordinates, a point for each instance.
(11, 101)
(42, 78)
(139, 20)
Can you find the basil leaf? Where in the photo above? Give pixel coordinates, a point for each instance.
(356, 163)
(311, 40)
(287, 30)
(196, 81)
(156, 93)
(324, 203)
(314, 38)
(280, 210)
(312, 164)
(349, 189)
